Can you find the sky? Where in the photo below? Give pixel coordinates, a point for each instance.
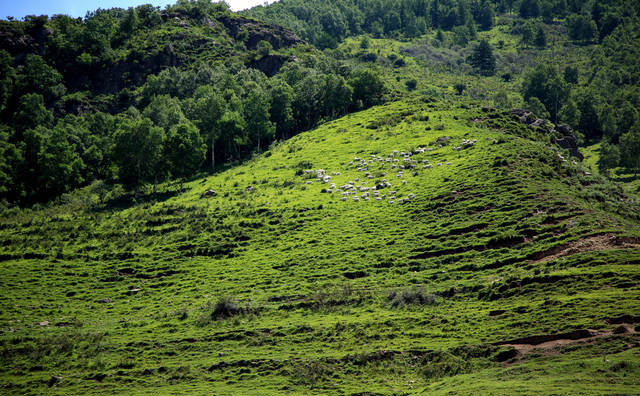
(78, 8)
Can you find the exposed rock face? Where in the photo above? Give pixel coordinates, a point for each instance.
(275, 35)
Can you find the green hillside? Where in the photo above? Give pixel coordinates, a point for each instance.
(273, 285)
(371, 197)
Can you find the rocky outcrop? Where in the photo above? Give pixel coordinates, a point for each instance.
(567, 141)
(275, 35)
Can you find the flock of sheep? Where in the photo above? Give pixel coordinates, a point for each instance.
(365, 188)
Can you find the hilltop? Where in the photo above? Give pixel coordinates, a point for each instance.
(272, 285)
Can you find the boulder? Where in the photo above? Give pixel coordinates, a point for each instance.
(209, 193)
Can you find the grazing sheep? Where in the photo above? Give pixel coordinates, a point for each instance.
(404, 182)
(309, 182)
(448, 163)
(439, 164)
(391, 202)
(343, 198)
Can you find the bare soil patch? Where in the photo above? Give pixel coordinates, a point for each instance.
(588, 244)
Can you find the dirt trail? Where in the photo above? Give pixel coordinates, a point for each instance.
(591, 243)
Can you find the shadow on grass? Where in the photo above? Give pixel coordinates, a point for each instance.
(127, 200)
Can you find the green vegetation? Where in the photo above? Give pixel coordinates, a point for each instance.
(426, 197)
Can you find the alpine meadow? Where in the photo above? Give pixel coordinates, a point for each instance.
(322, 197)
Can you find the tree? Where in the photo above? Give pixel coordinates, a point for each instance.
(365, 43)
(569, 113)
(485, 16)
(411, 84)
(11, 174)
(589, 123)
(582, 28)
(630, 148)
(482, 59)
(529, 9)
(281, 110)
(459, 87)
(208, 108)
(367, 87)
(164, 111)
(185, 150)
(571, 75)
(535, 106)
(609, 157)
(541, 38)
(137, 148)
(130, 21)
(7, 78)
(528, 32)
(38, 77)
(337, 95)
(544, 83)
(59, 165)
(461, 36)
(256, 109)
(232, 129)
(31, 113)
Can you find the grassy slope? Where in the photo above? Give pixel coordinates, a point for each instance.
(315, 273)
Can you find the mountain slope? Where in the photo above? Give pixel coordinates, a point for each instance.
(268, 284)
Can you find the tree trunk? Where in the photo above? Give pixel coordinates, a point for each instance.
(137, 191)
(181, 182)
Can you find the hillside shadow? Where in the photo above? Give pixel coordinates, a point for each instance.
(128, 200)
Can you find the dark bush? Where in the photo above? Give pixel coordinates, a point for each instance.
(416, 295)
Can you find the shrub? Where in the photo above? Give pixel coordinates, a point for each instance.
(225, 307)
(415, 295)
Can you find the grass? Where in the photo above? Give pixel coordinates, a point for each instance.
(326, 296)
